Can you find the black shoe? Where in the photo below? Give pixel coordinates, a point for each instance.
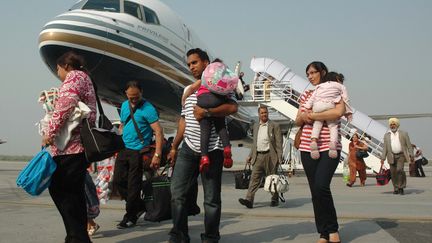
(194, 210)
(274, 203)
(178, 238)
(126, 223)
(396, 191)
(209, 239)
(245, 202)
(401, 191)
(140, 213)
(349, 184)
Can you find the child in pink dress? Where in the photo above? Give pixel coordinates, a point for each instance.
(329, 92)
(217, 82)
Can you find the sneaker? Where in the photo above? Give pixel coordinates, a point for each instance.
(228, 162)
(245, 202)
(92, 230)
(204, 164)
(314, 150)
(125, 223)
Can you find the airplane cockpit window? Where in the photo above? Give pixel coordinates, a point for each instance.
(103, 5)
(150, 16)
(133, 9)
(78, 5)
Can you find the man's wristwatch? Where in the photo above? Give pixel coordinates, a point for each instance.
(206, 113)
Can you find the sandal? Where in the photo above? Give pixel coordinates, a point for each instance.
(335, 241)
(92, 230)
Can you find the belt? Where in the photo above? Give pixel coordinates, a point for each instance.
(263, 152)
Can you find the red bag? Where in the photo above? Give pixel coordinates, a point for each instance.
(383, 176)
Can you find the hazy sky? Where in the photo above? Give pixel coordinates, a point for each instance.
(382, 47)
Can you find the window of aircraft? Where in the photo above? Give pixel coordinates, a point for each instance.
(103, 5)
(78, 5)
(133, 9)
(150, 16)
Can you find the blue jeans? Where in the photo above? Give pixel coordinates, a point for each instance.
(184, 177)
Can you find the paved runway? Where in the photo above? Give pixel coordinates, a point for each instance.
(366, 214)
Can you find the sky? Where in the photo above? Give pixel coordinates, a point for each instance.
(382, 47)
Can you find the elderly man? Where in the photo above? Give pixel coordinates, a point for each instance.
(397, 150)
(265, 156)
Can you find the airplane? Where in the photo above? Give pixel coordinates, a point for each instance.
(2, 141)
(123, 40)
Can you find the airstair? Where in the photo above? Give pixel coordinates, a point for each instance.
(278, 88)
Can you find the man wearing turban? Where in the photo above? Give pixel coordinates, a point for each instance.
(397, 151)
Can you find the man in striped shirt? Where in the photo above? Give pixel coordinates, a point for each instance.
(187, 160)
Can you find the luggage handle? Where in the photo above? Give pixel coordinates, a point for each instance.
(247, 165)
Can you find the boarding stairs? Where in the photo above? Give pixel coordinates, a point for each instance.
(278, 88)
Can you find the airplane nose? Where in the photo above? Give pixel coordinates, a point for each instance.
(72, 31)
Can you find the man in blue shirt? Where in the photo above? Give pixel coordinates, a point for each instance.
(128, 170)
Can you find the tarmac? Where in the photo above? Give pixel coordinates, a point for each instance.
(366, 214)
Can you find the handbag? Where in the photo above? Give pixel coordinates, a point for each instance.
(297, 138)
(424, 161)
(383, 176)
(100, 142)
(157, 197)
(242, 178)
(362, 154)
(36, 176)
(277, 183)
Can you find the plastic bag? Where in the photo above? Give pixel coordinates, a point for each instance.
(104, 177)
(36, 176)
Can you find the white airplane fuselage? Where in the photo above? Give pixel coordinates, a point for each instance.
(141, 40)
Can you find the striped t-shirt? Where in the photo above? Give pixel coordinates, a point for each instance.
(192, 133)
(324, 137)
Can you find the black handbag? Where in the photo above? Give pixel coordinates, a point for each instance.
(383, 176)
(242, 178)
(157, 198)
(156, 195)
(100, 142)
(424, 161)
(362, 154)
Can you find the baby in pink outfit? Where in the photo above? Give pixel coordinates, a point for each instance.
(325, 97)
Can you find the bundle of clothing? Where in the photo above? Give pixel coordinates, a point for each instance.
(48, 99)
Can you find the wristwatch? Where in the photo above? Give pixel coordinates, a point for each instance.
(206, 113)
(157, 155)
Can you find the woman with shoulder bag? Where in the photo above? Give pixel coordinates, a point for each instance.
(356, 163)
(67, 185)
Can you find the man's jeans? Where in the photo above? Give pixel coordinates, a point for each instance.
(185, 174)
